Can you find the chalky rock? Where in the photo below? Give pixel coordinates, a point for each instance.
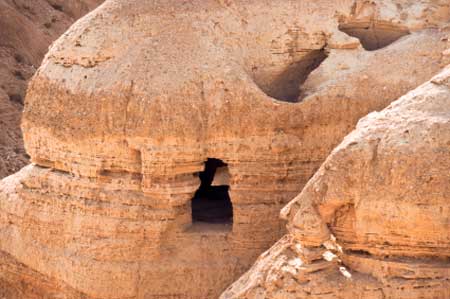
(373, 221)
(27, 28)
(136, 106)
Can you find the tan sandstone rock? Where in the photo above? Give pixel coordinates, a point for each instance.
(132, 101)
(27, 28)
(376, 213)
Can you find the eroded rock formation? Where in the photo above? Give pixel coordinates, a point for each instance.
(143, 93)
(27, 28)
(373, 222)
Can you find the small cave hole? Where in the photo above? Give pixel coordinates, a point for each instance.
(18, 74)
(285, 85)
(57, 7)
(374, 35)
(16, 98)
(19, 58)
(211, 202)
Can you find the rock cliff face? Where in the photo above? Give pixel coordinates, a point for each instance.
(27, 28)
(140, 103)
(373, 222)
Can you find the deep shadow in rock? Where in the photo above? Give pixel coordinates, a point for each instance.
(285, 86)
(374, 35)
(212, 204)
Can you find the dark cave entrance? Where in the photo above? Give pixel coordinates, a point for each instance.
(285, 85)
(211, 202)
(374, 35)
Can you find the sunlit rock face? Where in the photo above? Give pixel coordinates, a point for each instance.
(27, 28)
(149, 119)
(373, 221)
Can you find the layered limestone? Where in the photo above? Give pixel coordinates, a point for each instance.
(133, 100)
(373, 222)
(27, 28)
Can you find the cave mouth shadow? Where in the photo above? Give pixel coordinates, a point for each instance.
(211, 202)
(285, 85)
(374, 35)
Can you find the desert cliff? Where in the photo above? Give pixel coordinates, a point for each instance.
(373, 221)
(27, 28)
(165, 137)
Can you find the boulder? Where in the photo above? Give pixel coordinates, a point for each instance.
(373, 222)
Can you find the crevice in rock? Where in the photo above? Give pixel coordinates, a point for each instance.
(49, 165)
(57, 7)
(129, 174)
(359, 252)
(16, 98)
(18, 74)
(44, 163)
(212, 202)
(120, 174)
(374, 35)
(285, 85)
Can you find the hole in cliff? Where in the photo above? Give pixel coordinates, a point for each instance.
(374, 35)
(18, 74)
(17, 98)
(19, 58)
(284, 84)
(57, 7)
(211, 202)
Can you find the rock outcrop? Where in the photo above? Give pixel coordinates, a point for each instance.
(138, 105)
(373, 222)
(27, 28)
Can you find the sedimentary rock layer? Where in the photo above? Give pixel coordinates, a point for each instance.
(132, 100)
(27, 28)
(373, 221)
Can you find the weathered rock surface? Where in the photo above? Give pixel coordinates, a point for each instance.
(132, 100)
(27, 28)
(373, 222)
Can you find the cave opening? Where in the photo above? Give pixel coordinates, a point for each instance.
(211, 202)
(374, 35)
(286, 84)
